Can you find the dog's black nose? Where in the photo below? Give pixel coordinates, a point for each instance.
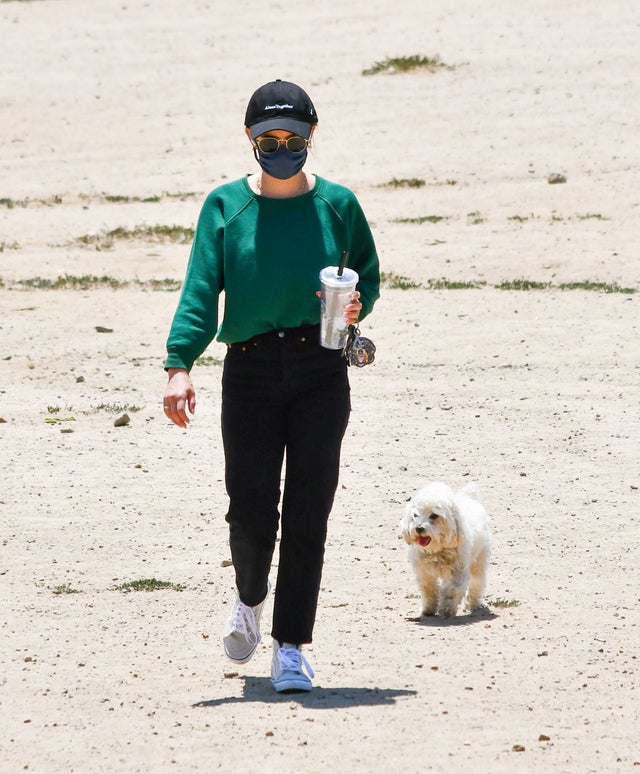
(419, 530)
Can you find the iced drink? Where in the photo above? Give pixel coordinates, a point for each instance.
(336, 294)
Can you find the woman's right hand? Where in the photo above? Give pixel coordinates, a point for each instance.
(179, 397)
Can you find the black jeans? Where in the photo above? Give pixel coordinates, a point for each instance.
(282, 391)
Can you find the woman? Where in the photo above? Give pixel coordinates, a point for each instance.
(263, 240)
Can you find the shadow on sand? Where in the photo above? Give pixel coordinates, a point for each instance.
(259, 689)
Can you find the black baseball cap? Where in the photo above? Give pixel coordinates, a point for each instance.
(280, 105)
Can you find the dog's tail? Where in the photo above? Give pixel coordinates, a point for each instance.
(470, 490)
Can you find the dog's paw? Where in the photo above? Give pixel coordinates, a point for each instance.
(480, 606)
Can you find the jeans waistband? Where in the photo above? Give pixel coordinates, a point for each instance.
(300, 333)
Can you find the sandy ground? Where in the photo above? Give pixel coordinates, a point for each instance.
(533, 393)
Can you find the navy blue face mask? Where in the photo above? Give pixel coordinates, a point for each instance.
(282, 164)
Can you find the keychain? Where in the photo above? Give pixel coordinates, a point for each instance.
(358, 350)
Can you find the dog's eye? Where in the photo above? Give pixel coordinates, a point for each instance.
(433, 516)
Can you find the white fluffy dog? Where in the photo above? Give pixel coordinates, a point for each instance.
(449, 541)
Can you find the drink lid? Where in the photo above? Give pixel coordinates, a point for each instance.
(329, 276)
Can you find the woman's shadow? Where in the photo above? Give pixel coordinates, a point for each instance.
(259, 689)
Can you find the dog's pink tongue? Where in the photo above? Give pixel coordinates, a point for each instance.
(424, 540)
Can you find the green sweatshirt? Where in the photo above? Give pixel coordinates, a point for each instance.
(266, 255)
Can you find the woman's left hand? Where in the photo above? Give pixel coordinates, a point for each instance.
(352, 309)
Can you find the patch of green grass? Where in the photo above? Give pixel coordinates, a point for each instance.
(71, 282)
(519, 218)
(159, 233)
(445, 284)
(91, 281)
(57, 420)
(65, 588)
(117, 199)
(475, 218)
(11, 203)
(602, 287)
(9, 246)
(422, 219)
(122, 199)
(403, 64)
(397, 282)
(117, 408)
(393, 280)
(208, 360)
(182, 195)
(154, 198)
(500, 602)
(163, 284)
(403, 182)
(592, 216)
(127, 199)
(37, 282)
(522, 284)
(149, 584)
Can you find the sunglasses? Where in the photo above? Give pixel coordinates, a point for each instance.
(293, 144)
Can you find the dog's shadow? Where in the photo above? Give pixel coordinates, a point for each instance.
(259, 689)
(467, 619)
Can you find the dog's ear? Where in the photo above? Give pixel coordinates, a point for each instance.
(450, 532)
(404, 527)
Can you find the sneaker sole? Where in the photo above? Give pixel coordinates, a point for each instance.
(242, 660)
(292, 684)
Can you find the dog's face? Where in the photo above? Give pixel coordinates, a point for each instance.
(430, 520)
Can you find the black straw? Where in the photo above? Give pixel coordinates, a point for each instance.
(343, 263)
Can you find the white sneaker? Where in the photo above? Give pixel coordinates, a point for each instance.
(287, 668)
(241, 634)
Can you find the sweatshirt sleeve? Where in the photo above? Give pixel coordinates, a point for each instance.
(196, 318)
(363, 257)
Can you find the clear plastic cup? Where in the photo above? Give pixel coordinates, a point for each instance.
(336, 294)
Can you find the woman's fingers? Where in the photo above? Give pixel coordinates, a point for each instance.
(176, 414)
(352, 309)
(179, 402)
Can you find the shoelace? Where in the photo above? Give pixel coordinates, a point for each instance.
(245, 623)
(290, 659)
